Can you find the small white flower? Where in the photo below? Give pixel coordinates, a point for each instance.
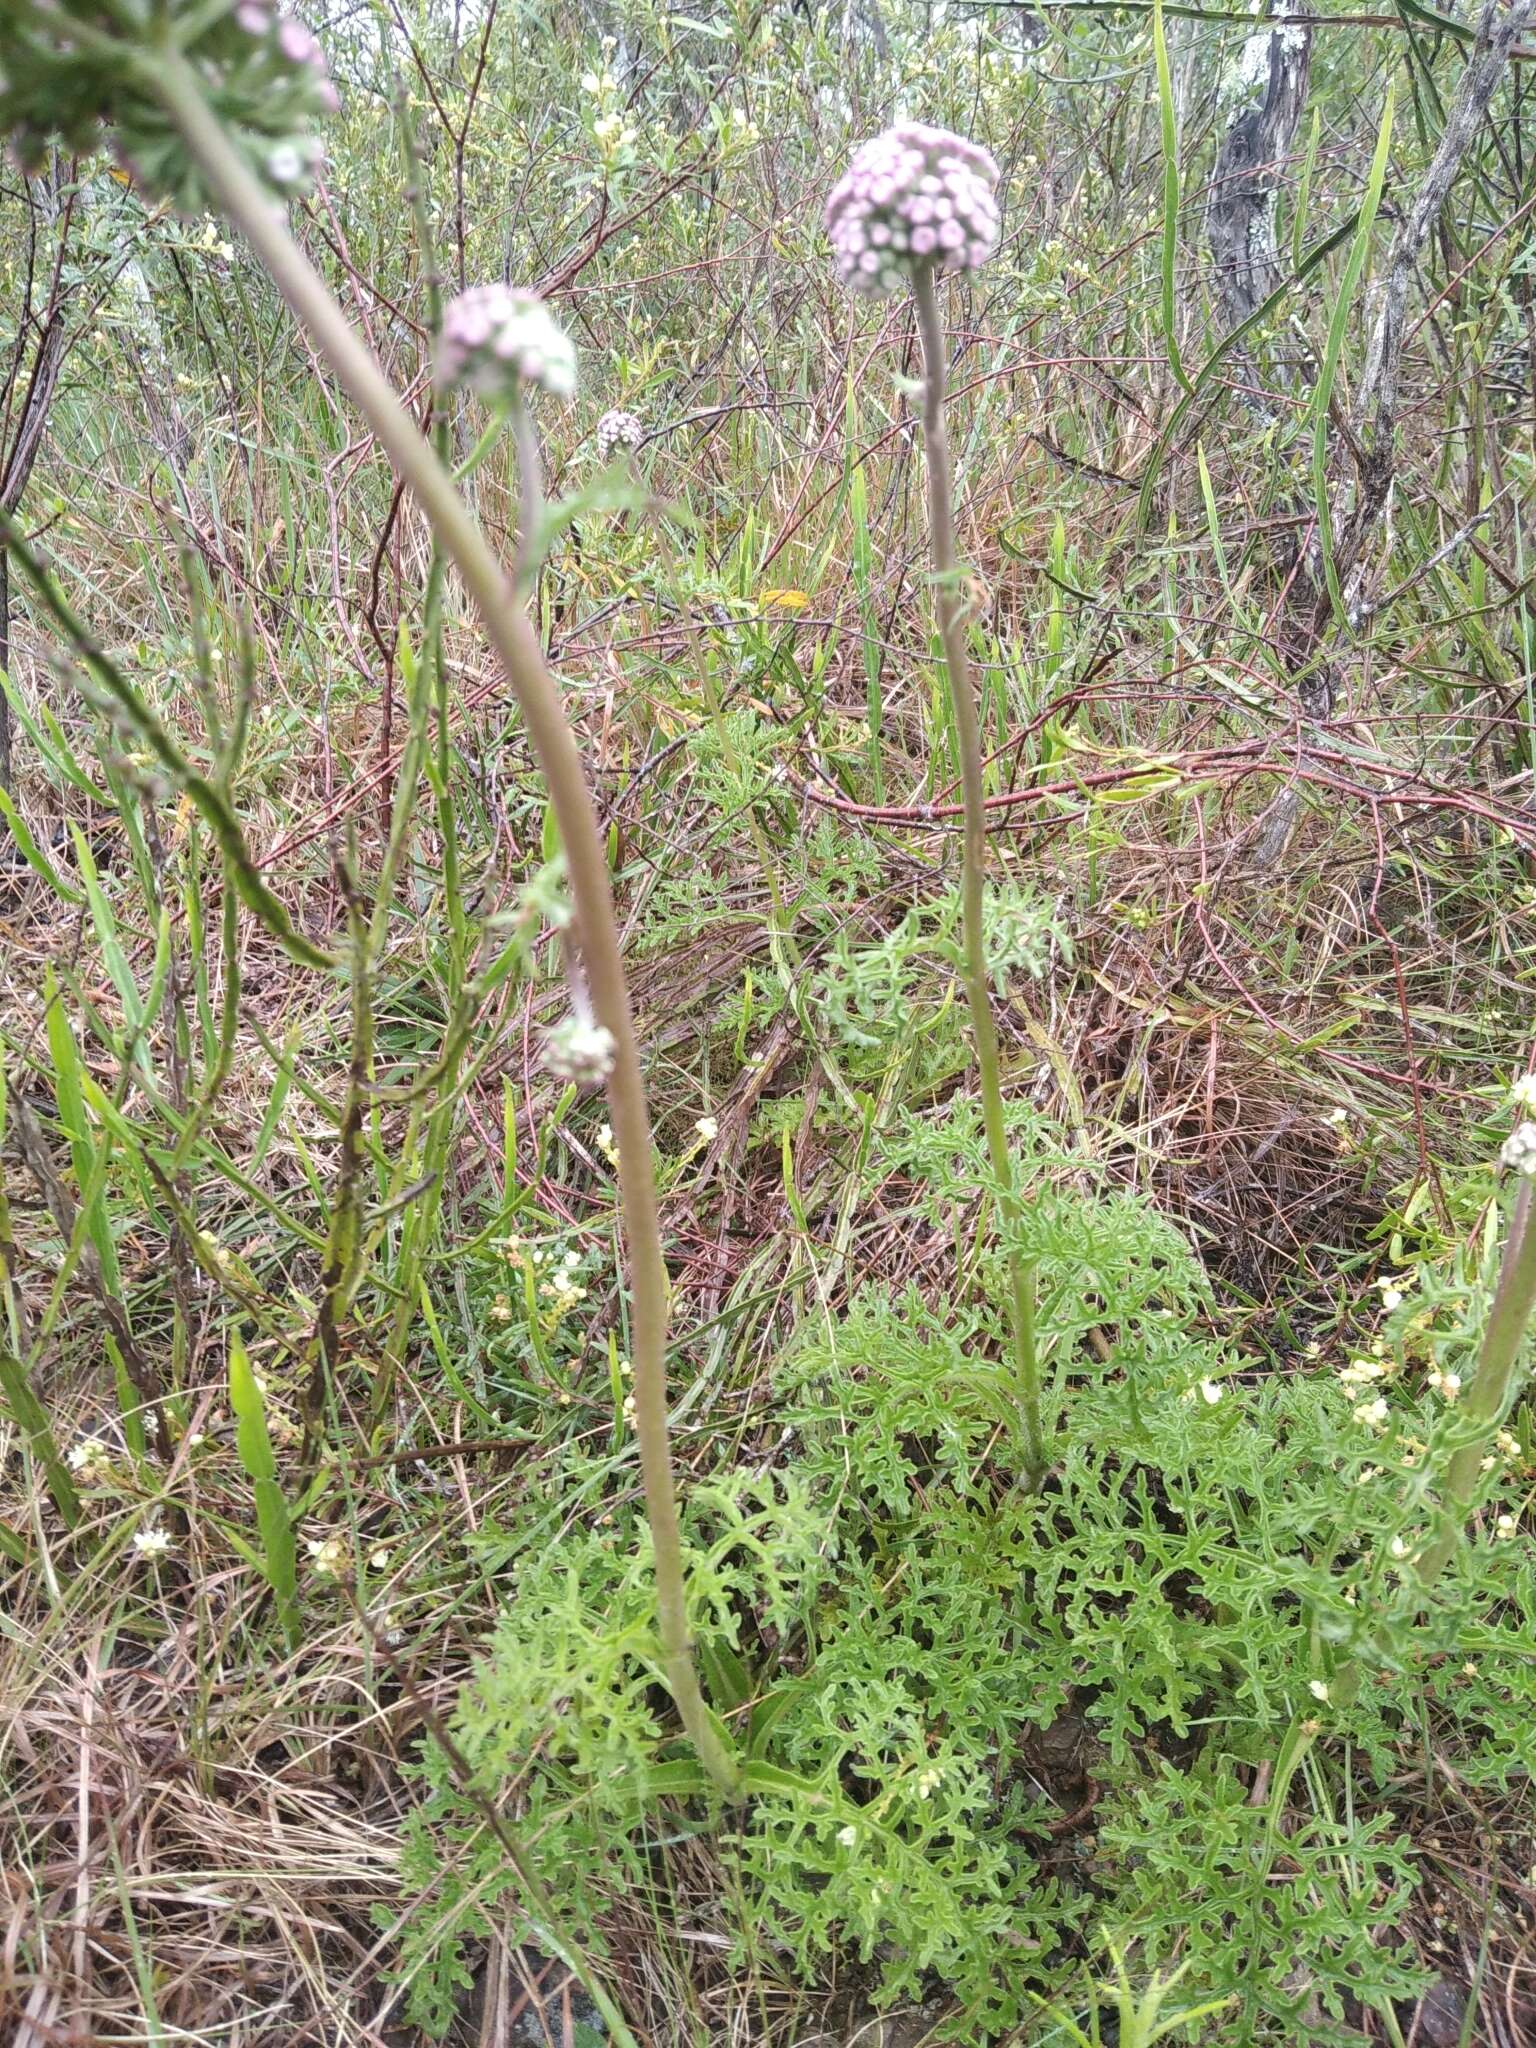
(328, 1555)
(1373, 1414)
(1398, 1547)
(1522, 1094)
(1391, 1298)
(1446, 1384)
(284, 165)
(91, 1458)
(708, 1129)
(1519, 1150)
(1211, 1392)
(848, 1835)
(151, 1542)
(1361, 1370)
(1505, 1527)
(1318, 1689)
(577, 1050)
(1508, 1444)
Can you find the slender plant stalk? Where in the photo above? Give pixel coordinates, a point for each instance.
(530, 499)
(252, 211)
(1488, 1396)
(1482, 1412)
(978, 996)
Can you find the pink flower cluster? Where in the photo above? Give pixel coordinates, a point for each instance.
(291, 43)
(914, 195)
(495, 339)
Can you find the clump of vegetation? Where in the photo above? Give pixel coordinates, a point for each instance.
(943, 1680)
(764, 1246)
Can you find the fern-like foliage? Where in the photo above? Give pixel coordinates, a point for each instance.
(891, 1622)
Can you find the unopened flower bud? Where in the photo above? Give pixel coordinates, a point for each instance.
(617, 430)
(577, 1050)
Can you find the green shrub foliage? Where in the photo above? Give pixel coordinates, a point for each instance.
(901, 1633)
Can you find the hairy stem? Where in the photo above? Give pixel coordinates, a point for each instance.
(252, 211)
(978, 995)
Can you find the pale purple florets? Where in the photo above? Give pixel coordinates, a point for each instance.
(914, 195)
(291, 42)
(495, 340)
(617, 430)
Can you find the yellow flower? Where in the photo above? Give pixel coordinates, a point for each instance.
(784, 600)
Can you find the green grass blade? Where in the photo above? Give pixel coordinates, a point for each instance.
(1170, 239)
(273, 1521)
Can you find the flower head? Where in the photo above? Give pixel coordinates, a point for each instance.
(151, 1542)
(1523, 1093)
(579, 1050)
(91, 1459)
(262, 70)
(617, 430)
(327, 1556)
(495, 340)
(1519, 1150)
(912, 196)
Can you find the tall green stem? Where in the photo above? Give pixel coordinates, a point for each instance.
(252, 211)
(978, 995)
(1488, 1396)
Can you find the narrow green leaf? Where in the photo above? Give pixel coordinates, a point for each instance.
(33, 854)
(1170, 128)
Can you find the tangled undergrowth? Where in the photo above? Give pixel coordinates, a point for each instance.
(332, 1702)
